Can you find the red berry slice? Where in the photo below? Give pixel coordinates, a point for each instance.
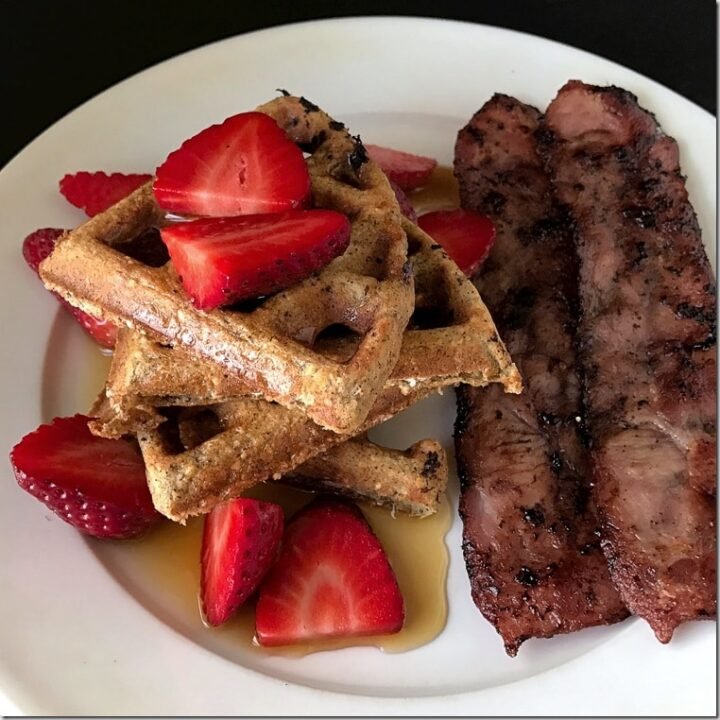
(404, 169)
(39, 244)
(466, 236)
(103, 332)
(240, 543)
(96, 485)
(95, 192)
(332, 579)
(223, 260)
(246, 165)
(36, 247)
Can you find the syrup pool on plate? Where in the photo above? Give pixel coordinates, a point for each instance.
(168, 558)
(439, 193)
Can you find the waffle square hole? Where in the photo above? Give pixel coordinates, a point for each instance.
(147, 248)
(337, 341)
(414, 246)
(187, 428)
(430, 318)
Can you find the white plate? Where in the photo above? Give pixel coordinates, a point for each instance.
(76, 641)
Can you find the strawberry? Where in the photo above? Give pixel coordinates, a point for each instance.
(466, 236)
(95, 192)
(404, 169)
(96, 485)
(406, 207)
(39, 244)
(244, 166)
(240, 542)
(223, 260)
(103, 332)
(332, 579)
(36, 247)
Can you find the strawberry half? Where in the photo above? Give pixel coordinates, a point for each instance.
(240, 542)
(332, 579)
(223, 260)
(95, 192)
(244, 166)
(466, 236)
(96, 485)
(36, 247)
(404, 169)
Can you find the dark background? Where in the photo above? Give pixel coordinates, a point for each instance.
(55, 54)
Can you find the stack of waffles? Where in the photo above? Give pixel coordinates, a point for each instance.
(284, 389)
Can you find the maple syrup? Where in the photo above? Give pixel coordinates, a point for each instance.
(439, 193)
(168, 557)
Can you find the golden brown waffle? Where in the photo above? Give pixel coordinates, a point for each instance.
(255, 441)
(451, 337)
(368, 289)
(411, 482)
(264, 438)
(201, 455)
(460, 345)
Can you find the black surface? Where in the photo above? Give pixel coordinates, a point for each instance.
(56, 54)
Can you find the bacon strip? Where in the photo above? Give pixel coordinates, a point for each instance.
(648, 349)
(530, 528)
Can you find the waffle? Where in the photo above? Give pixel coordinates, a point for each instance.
(411, 481)
(461, 345)
(256, 439)
(368, 289)
(451, 337)
(200, 454)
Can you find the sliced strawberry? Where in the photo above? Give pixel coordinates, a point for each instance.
(466, 236)
(244, 166)
(95, 192)
(96, 485)
(103, 332)
(36, 247)
(240, 542)
(332, 579)
(406, 207)
(404, 169)
(223, 260)
(39, 244)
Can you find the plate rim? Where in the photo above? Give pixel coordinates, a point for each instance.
(344, 20)
(380, 702)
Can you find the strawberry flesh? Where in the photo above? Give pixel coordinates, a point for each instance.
(36, 247)
(466, 236)
(39, 244)
(246, 165)
(223, 260)
(96, 485)
(332, 579)
(240, 542)
(103, 332)
(95, 192)
(404, 169)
